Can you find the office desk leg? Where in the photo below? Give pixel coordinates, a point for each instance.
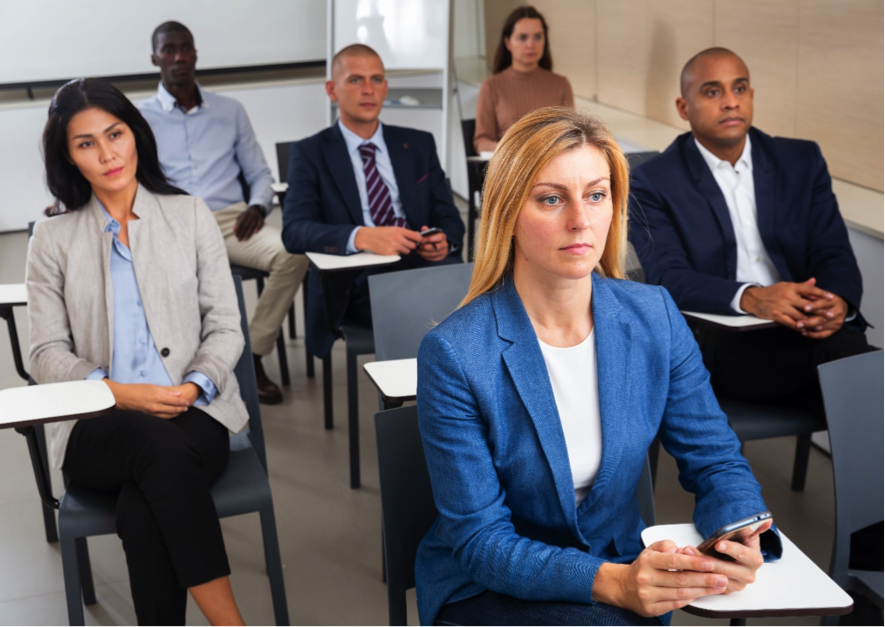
(7, 312)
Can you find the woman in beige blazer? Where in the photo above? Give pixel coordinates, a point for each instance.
(129, 282)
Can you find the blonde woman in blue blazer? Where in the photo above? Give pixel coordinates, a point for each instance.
(538, 400)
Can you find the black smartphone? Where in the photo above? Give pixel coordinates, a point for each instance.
(735, 531)
(431, 231)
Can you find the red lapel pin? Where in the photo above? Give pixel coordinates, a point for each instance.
(405, 146)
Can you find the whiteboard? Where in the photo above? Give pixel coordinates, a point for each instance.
(46, 40)
(406, 35)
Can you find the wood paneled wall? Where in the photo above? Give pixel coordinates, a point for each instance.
(816, 65)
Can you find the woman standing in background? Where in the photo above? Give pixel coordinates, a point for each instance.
(523, 80)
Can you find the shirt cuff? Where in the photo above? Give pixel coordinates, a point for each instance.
(351, 248)
(97, 375)
(736, 301)
(205, 384)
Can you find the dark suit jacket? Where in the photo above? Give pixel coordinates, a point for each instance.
(323, 206)
(684, 237)
(498, 460)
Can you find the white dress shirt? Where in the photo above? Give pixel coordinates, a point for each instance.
(754, 265)
(385, 170)
(572, 372)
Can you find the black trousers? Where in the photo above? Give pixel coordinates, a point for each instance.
(776, 364)
(493, 608)
(166, 518)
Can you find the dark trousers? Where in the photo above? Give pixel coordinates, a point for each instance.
(492, 608)
(775, 365)
(166, 518)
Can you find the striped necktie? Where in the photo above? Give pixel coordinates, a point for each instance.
(380, 203)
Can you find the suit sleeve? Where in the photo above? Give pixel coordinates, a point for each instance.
(473, 519)
(443, 213)
(221, 337)
(663, 256)
(695, 431)
(830, 258)
(52, 357)
(304, 230)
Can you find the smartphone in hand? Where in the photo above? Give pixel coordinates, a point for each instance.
(734, 532)
(431, 231)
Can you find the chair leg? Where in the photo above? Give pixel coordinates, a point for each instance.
(800, 463)
(48, 512)
(293, 332)
(383, 554)
(353, 420)
(84, 565)
(274, 564)
(654, 452)
(396, 601)
(327, 390)
(307, 356)
(284, 360)
(71, 574)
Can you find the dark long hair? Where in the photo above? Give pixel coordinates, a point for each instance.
(65, 182)
(503, 58)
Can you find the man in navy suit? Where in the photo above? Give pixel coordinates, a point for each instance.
(731, 220)
(363, 185)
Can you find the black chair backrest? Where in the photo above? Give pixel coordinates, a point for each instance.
(645, 495)
(852, 391)
(468, 130)
(636, 158)
(245, 373)
(283, 160)
(407, 504)
(407, 304)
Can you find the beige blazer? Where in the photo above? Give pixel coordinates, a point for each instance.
(185, 283)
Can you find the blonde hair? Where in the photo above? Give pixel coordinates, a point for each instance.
(526, 148)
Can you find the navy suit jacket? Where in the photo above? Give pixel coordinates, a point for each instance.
(323, 207)
(683, 235)
(498, 460)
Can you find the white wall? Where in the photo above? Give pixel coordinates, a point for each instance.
(61, 39)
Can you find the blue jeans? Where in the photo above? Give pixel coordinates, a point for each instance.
(491, 608)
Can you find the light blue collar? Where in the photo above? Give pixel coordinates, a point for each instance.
(354, 141)
(168, 102)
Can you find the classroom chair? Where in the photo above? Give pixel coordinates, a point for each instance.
(242, 488)
(852, 391)
(476, 174)
(407, 506)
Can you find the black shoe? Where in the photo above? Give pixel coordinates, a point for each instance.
(268, 392)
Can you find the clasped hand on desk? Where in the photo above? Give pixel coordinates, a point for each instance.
(158, 400)
(803, 307)
(395, 240)
(665, 577)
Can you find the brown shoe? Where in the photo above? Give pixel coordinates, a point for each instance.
(268, 392)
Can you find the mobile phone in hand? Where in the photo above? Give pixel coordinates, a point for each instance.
(734, 532)
(431, 231)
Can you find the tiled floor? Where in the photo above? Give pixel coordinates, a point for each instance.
(329, 534)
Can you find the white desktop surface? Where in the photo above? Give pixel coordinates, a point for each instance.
(791, 586)
(736, 322)
(13, 294)
(279, 187)
(396, 379)
(326, 263)
(34, 404)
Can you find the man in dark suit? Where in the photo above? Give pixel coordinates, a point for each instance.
(362, 185)
(731, 220)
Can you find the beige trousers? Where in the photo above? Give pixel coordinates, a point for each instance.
(264, 251)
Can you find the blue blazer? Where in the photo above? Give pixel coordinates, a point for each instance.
(684, 237)
(498, 460)
(322, 207)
